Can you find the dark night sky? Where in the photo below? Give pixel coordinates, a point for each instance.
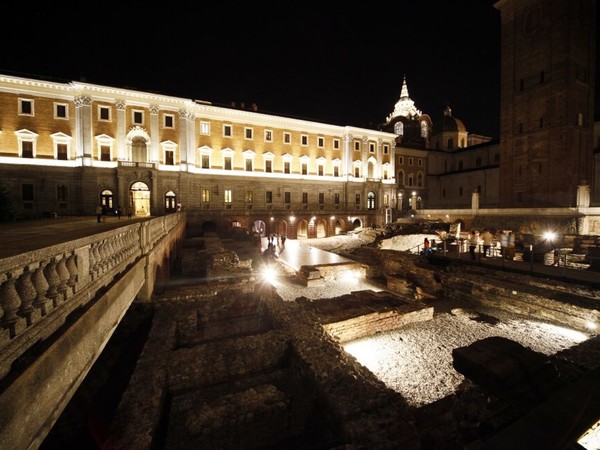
(338, 65)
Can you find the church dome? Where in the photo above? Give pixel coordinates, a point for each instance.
(449, 123)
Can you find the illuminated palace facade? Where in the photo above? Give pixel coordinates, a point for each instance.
(65, 148)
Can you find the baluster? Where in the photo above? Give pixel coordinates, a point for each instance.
(41, 286)
(27, 292)
(11, 302)
(95, 257)
(53, 282)
(73, 270)
(63, 275)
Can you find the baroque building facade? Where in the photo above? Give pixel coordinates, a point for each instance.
(66, 148)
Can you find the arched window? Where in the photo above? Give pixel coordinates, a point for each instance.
(424, 129)
(139, 152)
(400, 177)
(371, 204)
(399, 128)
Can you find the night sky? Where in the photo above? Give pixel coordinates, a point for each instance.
(342, 66)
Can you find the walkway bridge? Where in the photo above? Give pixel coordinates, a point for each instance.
(60, 304)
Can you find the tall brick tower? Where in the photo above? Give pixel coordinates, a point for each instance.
(548, 57)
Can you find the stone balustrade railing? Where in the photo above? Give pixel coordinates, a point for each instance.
(42, 289)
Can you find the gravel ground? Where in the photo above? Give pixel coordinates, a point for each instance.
(416, 360)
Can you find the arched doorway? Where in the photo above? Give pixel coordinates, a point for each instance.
(321, 228)
(139, 195)
(107, 201)
(259, 227)
(302, 229)
(170, 202)
(282, 228)
(208, 227)
(356, 223)
(339, 227)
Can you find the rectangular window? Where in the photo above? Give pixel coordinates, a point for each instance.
(305, 197)
(248, 133)
(138, 117)
(420, 162)
(321, 170)
(336, 198)
(61, 152)
(169, 121)
(287, 197)
(27, 192)
(169, 158)
(371, 147)
(321, 198)
(61, 111)
(205, 128)
(227, 163)
(336, 171)
(268, 136)
(227, 131)
(287, 167)
(304, 140)
(205, 195)
(104, 113)
(25, 107)
(321, 142)
(386, 149)
(249, 196)
(105, 153)
(356, 146)
(61, 193)
(410, 161)
(287, 138)
(27, 149)
(401, 160)
(269, 197)
(205, 161)
(227, 195)
(357, 172)
(268, 166)
(336, 144)
(304, 168)
(249, 165)
(357, 199)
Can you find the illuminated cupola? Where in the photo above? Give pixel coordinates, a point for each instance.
(404, 107)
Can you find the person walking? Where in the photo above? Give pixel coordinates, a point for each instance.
(487, 239)
(473, 241)
(119, 212)
(510, 246)
(503, 245)
(99, 213)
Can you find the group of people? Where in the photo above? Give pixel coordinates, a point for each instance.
(488, 240)
(274, 242)
(102, 211)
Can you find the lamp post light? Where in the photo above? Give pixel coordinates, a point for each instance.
(550, 236)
